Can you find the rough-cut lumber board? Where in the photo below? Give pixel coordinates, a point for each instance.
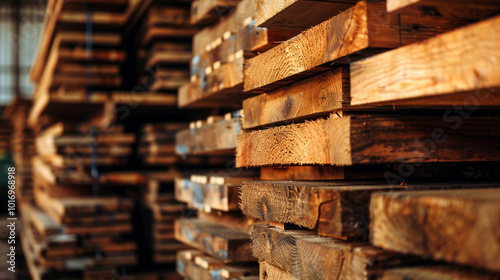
(438, 272)
(298, 14)
(337, 209)
(459, 226)
(353, 140)
(364, 29)
(308, 256)
(218, 137)
(204, 12)
(459, 67)
(228, 245)
(269, 271)
(315, 96)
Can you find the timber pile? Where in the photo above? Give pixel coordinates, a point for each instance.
(344, 154)
(157, 143)
(164, 46)
(161, 210)
(23, 147)
(220, 232)
(220, 50)
(5, 133)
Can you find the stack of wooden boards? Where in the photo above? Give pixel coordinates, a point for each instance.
(345, 136)
(80, 59)
(220, 233)
(160, 211)
(23, 147)
(157, 143)
(164, 44)
(5, 134)
(219, 51)
(79, 222)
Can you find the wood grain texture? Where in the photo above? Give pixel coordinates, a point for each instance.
(362, 30)
(459, 67)
(315, 96)
(457, 226)
(298, 14)
(307, 256)
(227, 245)
(337, 209)
(437, 272)
(218, 137)
(369, 140)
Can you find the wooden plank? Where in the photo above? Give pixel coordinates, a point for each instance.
(315, 96)
(362, 30)
(307, 256)
(369, 140)
(442, 71)
(297, 14)
(458, 226)
(206, 12)
(227, 245)
(216, 138)
(436, 273)
(337, 209)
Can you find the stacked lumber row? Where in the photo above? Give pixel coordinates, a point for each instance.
(23, 147)
(164, 44)
(220, 233)
(5, 133)
(337, 103)
(80, 58)
(65, 234)
(78, 222)
(157, 143)
(194, 264)
(219, 51)
(158, 199)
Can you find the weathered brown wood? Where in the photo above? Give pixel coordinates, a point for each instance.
(364, 29)
(307, 256)
(353, 140)
(315, 96)
(216, 138)
(436, 273)
(297, 14)
(458, 226)
(227, 245)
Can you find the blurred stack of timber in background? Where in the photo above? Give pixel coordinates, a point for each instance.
(23, 147)
(362, 154)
